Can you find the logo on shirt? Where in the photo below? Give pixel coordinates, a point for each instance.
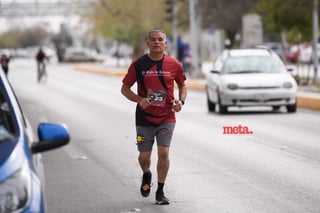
(155, 73)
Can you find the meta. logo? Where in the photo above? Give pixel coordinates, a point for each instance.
(242, 130)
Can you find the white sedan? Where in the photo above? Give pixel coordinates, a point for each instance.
(250, 77)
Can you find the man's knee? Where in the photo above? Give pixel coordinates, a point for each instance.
(144, 156)
(163, 152)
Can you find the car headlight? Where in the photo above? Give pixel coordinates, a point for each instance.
(232, 86)
(14, 192)
(287, 85)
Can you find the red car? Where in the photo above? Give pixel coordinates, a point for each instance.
(292, 55)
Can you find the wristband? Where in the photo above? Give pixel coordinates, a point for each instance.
(182, 102)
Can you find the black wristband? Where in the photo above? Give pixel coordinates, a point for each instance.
(182, 102)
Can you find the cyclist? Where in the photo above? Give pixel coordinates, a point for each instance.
(40, 57)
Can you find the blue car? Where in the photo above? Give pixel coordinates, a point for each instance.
(21, 168)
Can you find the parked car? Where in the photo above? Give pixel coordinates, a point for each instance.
(306, 53)
(278, 48)
(22, 181)
(302, 53)
(81, 55)
(292, 55)
(250, 77)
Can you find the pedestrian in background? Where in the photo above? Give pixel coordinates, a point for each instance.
(5, 63)
(155, 74)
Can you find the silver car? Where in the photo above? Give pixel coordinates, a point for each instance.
(250, 77)
(81, 55)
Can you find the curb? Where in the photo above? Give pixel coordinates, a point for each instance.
(306, 102)
(303, 101)
(88, 68)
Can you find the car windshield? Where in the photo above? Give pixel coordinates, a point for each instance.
(8, 131)
(253, 64)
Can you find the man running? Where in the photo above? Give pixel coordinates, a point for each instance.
(5, 63)
(155, 74)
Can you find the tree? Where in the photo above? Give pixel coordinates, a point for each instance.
(128, 21)
(226, 15)
(9, 39)
(34, 36)
(294, 18)
(16, 37)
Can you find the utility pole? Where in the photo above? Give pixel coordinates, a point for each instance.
(171, 11)
(315, 39)
(174, 29)
(195, 28)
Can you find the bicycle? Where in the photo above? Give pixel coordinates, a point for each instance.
(42, 73)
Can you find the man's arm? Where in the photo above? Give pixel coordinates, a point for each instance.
(177, 104)
(129, 94)
(182, 92)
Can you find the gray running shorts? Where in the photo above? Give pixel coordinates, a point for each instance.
(146, 135)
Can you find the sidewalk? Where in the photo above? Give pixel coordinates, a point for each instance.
(308, 97)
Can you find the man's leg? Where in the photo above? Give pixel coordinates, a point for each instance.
(145, 140)
(5, 69)
(162, 168)
(44, 68)
(164, 136)
(38, 70)
(145, 161)
(163, 163)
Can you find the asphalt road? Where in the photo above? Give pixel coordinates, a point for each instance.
(274, 169)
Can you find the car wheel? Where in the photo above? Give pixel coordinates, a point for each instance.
(211, 105)
(275, 108)
(292, 108)
(221, 108)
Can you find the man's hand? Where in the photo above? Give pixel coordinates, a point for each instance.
(144, 103)
(176, 105)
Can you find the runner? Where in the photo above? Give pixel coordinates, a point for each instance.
(155, 74)
(5, 63)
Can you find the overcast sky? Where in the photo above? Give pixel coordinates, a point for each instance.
(52, 23)
(31, 1)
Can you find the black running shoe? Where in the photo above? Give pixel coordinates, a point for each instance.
(161, 199)
(146, 184)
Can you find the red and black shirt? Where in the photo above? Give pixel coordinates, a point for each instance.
(155, 80)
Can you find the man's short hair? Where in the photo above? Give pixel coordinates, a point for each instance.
(156, 30)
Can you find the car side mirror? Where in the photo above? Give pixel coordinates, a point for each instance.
(51, 136)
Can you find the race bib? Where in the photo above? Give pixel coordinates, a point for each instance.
(157, 97)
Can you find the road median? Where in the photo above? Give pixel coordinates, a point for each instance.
(307, 100)
(101, 70)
